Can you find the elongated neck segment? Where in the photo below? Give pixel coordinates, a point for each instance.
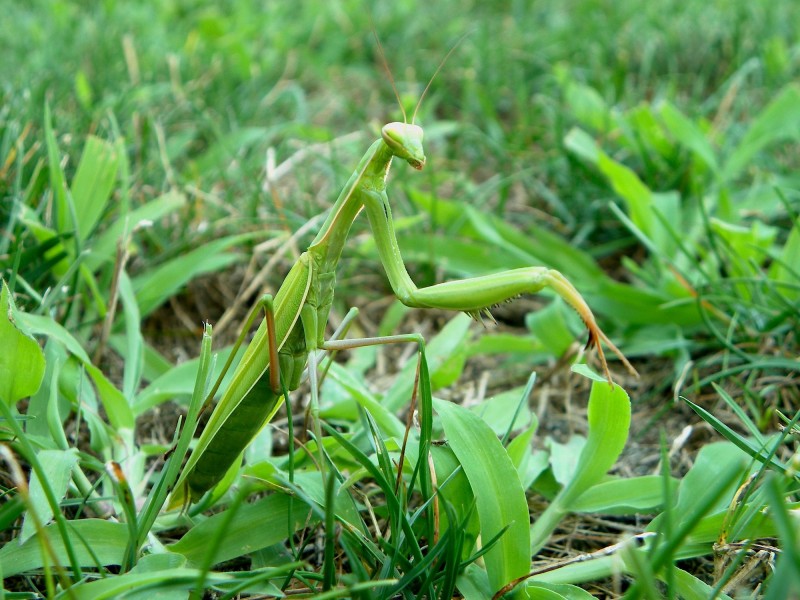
(369, 177)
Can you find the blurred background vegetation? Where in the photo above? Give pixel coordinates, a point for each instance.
(196, 93)
(649, 150)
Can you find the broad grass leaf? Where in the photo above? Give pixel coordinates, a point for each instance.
(583, 145)
(177, 383)
(506, 343)
(689, 587)
(499, 410)
(134, 355)
(574, 573)
(712, 460)
(719, 468)
(46, 406)
(588, 106)
(623, 496)
(154, 287)
(607, 566)
(94, 541)
(93, 182)
(540, 593)
(253, 526)
(103, 247)
(538, 590)
(565, 458)
(639, 306)
(648, 134)
(785, 269)
(747, 243)
(780, 120)
(688, 134)
(21, 359)
(499, 495)
(63, 205)
(151, 563)
(119, 412)
(57, 465)
(168, 584)
(640, 200)
(57, 252)
(609, 414)
(709, 528)
(457, 492)
(542, 247)
(529, 464)
(457, 256)
(474, 584)
(508, 246)
(344, 505)
(550, 326)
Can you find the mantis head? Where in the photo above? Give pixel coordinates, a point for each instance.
(405, 141)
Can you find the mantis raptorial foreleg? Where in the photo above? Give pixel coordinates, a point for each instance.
(295, 327)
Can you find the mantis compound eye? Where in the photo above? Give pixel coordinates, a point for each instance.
(405, 141)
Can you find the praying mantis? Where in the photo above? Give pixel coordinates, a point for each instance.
(293, 328)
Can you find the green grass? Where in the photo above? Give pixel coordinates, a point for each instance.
(647, 151)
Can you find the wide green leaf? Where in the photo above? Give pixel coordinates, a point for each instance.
(254, 526)
(161, 585)
(688, 134)
(57, 465)
(388, 423)
(177, 383)
(609, 414)
(785, 269)
(540, 590)
(780, 120)
(21, 358)
(103, 246)
(95, 542)
(498, 492)
(623, 496)
(93, 182)
(648, 210)
(119, 412)
(157, 285)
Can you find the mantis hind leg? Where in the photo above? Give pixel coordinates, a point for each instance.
(264, 304)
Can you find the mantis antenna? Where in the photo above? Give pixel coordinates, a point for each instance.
(435, 73)
(385, 64)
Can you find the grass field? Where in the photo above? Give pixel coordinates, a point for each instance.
(163, 164)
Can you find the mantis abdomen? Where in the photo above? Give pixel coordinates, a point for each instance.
(255, 409)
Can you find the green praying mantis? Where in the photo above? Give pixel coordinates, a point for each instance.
(294, 325)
